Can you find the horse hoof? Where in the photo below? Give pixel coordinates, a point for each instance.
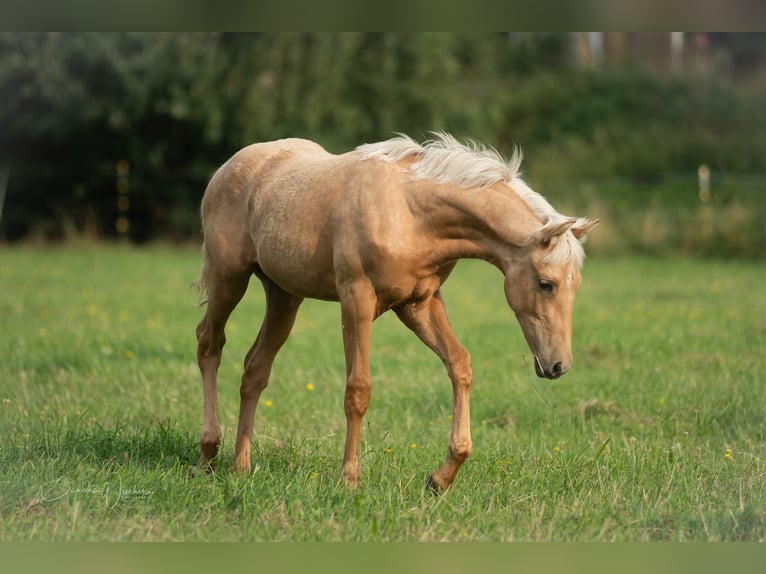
(196, 470)
(433, 487)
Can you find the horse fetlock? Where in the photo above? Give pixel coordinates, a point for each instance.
(349, 475)
(209, 443)
(242, 463)
(461, 450)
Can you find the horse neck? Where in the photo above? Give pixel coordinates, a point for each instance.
(490, 224)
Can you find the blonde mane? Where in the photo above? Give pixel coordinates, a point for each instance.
(444, 159)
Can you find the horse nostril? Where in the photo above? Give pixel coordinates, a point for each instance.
(557, 370)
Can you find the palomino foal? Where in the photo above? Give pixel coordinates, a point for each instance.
(377, 228)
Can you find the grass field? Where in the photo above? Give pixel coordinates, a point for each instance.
(656, 434)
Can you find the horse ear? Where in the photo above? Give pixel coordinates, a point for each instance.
(554, 228)
(583, 226)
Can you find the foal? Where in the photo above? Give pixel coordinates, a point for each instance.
(378, 228)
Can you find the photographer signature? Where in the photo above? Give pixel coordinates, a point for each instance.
(62, 488)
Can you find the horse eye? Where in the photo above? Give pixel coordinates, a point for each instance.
(546, 286)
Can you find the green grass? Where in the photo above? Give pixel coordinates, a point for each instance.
(656, 434)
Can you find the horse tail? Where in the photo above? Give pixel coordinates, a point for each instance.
(201, 282)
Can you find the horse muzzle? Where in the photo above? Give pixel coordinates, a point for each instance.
(554, 371)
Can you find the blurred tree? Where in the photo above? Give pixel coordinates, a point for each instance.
(175, 106)
(75, 104)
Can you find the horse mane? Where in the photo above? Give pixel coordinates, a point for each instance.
(567, 246)
(444, 159)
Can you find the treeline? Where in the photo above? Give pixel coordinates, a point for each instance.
(98, 128)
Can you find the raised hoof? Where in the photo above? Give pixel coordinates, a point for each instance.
(434, 488)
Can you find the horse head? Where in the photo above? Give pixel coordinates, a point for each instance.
(540, 287)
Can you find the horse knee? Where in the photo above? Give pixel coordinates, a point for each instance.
(460, 371)
(463, 377)
(358, 393)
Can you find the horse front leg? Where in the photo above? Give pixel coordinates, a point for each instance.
(358, 313)
(460, 445)
(428, 320)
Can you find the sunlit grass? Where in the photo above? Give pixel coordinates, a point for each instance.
(656, 434)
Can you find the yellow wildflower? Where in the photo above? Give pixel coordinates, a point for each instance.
(309, 387)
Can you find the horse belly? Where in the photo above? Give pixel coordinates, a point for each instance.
(293, 257)
(300, 276)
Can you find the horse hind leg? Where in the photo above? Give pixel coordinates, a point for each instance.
(281, 310)
(223, 295)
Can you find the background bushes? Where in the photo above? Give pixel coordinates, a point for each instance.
(623, 141)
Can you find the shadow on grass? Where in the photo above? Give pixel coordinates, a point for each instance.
(157, 445)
